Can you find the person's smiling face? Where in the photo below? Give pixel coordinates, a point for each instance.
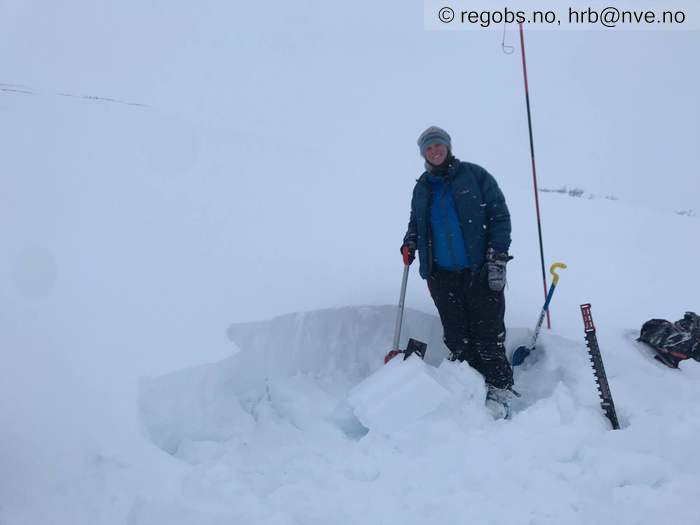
(436, 154)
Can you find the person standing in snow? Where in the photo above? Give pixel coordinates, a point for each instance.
(460, 226)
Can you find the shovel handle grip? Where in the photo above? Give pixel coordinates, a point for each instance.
(404, 252)
(553, 270)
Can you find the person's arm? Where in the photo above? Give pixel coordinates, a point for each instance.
(411, 236)
(410, 240)
(498, 226)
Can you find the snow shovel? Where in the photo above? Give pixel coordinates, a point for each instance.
(522, 352)
(413, 347)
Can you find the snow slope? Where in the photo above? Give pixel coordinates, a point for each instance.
(285, 430)
(306, 422)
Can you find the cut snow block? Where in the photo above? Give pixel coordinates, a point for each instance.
(396, 395)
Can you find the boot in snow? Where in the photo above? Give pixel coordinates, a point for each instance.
(499, 400)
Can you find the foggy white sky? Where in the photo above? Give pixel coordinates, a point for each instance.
(614, 112)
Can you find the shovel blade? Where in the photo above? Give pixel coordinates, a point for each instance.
(414, 347)
(391, 355)
(520, 355)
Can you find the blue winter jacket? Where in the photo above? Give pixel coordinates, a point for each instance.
(481, 208)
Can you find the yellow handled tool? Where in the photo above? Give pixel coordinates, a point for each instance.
(523, 351)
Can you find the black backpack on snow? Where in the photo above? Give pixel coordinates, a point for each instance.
(673, 342)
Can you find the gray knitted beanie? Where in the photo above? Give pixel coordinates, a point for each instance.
(433, 135)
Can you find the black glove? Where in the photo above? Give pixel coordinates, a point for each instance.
(496, 269)
(411, 247)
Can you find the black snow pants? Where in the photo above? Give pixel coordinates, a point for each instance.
(472, 321)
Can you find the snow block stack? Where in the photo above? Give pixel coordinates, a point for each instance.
(397, 395)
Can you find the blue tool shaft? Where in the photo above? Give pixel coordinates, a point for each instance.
(542, 314)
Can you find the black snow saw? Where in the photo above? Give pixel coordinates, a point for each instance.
(414, 346)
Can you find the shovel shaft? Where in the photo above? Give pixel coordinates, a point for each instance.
(552, 287)
(399, 314)
(522, 352)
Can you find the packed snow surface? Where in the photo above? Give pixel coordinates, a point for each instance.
(288, 431)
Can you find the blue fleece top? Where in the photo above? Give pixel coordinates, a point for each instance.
(449, 251)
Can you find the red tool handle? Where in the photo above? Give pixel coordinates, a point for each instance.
(587, 318)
